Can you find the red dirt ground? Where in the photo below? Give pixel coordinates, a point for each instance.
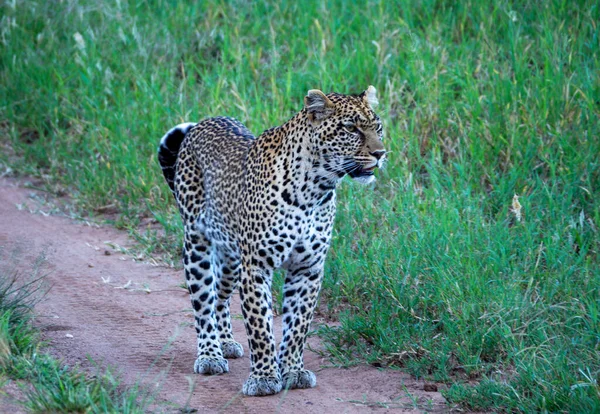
(124, 314)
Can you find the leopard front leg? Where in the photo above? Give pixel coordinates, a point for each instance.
(258, 318)
(200, 281)
(300, 293)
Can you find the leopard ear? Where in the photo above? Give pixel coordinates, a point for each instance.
(318, 105)
(370, 96)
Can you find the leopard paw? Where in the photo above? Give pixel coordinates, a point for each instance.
(211, 366)
(258, 387)
(232, 349)
(299, 379)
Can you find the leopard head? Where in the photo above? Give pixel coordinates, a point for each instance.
(349, 134)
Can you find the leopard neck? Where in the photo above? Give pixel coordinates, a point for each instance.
(293, 149)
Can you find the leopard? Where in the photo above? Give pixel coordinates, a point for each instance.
(251, 205)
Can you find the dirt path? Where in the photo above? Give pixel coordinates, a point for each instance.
(124, 313)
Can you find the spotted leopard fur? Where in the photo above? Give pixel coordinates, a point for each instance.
(252, 205)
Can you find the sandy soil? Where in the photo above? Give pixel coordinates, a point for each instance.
(136, 318)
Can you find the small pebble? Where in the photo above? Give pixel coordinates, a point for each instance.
(430, 387)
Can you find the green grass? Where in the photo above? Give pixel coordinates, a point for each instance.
(429, 269)
(47, 384)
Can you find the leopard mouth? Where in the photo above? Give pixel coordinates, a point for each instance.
(362, 171)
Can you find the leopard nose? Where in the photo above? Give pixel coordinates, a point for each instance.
(378, 154)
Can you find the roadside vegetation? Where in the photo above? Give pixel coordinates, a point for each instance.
(474, 259)
(45, 384)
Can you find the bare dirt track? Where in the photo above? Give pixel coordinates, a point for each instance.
(136, 318)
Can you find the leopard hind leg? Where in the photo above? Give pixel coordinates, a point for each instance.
(227, 268)
(201, 283)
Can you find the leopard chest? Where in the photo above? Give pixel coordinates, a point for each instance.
(289, 234)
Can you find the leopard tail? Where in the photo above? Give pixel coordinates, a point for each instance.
(169, 148)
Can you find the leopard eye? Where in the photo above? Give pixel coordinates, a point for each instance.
(351, 128)
(380, 132)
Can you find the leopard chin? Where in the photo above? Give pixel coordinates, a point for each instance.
(364, 179)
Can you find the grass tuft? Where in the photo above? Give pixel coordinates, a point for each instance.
(48, 385)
